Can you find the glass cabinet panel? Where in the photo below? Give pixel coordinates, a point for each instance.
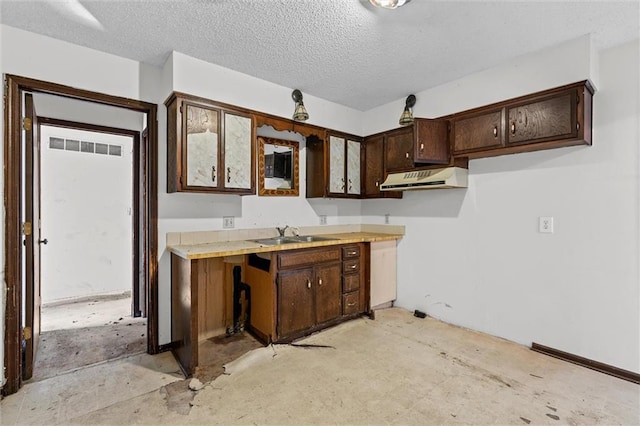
(202, 146)
(336, 164)
(237, 151)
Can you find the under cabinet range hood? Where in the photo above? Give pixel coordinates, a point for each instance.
(449, 177)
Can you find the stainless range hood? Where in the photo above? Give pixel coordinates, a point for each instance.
(449, 177)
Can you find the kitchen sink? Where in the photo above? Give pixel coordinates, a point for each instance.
(274, 241)
(310, 238)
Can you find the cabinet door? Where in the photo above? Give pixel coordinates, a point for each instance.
(353, 167)
(374, 165)
(238, 151)
(551, 118)
(336, 165)
(478, 132)
(295, 301)
(201, 133)
(431, 141)
(328, 292)
(399, 149)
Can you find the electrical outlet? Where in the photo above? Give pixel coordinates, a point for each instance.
(323, 219)
(228, 222)
(386, 218)
(545, 224)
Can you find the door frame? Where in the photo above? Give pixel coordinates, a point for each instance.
(14, 88)
(136, 310)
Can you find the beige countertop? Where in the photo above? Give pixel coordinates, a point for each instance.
(232, 248)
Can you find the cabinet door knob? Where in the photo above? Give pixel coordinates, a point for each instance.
(229, 174)
(350, 185)
(319, 281)
(513, 128)
(578, 126)
(308, 283)
(421, 147)
(377, 183)
(213, 173)
(406, 155)
(495, 131)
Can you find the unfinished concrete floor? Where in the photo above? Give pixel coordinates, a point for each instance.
(87, 331)
(397, 369)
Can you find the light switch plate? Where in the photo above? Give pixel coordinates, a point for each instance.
(545, 224)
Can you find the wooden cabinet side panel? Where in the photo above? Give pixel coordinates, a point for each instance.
(328, 292)
(295, 301)
(174, 155)
(431, 141)
(316, 182)
(212, 295)
(383, 272)
(262, 296)
(184, 326)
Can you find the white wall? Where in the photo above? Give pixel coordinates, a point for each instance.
(475, 258)
(86, 206)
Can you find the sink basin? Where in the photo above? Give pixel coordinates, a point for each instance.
(274, 241)
(310, 238)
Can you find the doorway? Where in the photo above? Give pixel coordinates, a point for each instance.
(87, 278)
(17, 266)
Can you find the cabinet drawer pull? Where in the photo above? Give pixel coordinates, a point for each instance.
(513, 128)
(308, 283)
(495, 131)
(228, 174)
(351, 304)
(354, 266)
(350, 185)
(351, 253)
(213, 173)
(319, 281)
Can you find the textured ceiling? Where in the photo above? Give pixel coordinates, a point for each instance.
(344, 51)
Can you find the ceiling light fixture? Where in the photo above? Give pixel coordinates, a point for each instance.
(389, 4)
(300, 113)
(407, 115)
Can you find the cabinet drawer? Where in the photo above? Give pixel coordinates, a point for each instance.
(351, 303)
(350, 282)
(308, 257)
(351, 251)
(351, 266)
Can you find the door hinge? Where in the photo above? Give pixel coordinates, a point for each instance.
(26, 228)
(26, 124)
(26, 333)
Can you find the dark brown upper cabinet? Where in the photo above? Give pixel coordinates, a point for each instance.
(431, 141)
(374, 170)
(210, 146)
(334, 166)
(399, 149)
(549, 119)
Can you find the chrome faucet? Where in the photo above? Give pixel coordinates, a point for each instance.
(281, 230)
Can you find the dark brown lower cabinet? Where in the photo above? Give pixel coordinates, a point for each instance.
(308, 297)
